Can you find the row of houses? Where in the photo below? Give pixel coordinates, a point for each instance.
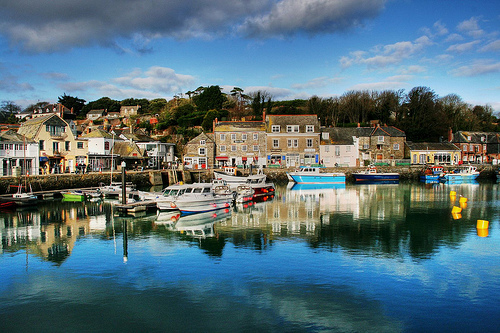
(51, 144)
(293, 140)
(47, 143)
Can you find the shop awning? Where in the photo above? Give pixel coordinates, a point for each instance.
(44, 158)
(244, 158)
(222, 158)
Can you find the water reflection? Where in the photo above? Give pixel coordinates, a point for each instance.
(381, 220)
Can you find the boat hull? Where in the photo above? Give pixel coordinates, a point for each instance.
(383, 177)
(318, 179)
(190, 205)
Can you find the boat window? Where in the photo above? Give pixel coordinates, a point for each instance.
(206, 190)
(197, 190)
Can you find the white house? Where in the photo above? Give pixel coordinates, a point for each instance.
(339, 147)
(18, 155)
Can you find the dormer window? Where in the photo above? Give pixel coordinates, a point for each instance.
(292, 128)
(309, 128)
(325, 135)
(275, 128)
(203, 142)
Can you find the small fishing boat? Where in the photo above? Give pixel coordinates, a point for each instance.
(313, 175)
(24, 198)
(257, 182)
(432, 173)
(372, 175)
(464, 173)
(74, 195)
(114, 189)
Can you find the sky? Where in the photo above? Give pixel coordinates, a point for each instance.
(292, 49)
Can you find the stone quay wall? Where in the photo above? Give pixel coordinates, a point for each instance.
(146, 179)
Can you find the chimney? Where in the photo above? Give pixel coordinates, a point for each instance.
(359, 125)
(450, 134)
(264, 115)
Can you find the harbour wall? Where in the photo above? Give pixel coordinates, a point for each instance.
(146, 179)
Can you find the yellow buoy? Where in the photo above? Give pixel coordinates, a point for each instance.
(482, 224)
(482, 232)
(463, 205)
(456, 216)
(462, 200)
(456, 210)
(453, 194)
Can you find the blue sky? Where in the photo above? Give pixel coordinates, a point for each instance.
(289, 48)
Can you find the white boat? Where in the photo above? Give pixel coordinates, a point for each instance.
(257, 182)
(114, 190)
(463, 173)
(24, 198)
(202, 197)
(313, 175)
(244, 193)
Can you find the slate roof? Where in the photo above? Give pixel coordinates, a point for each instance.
(228, 126)
(433, 146)
(137, 137)
(475, 137)
(201, 136)
(338, 135)
(380, 131)
(98, 133)
(283, 120)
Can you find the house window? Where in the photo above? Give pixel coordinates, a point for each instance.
(55, 147)
(244, 137)
(325, 135)
(380, 139)
(233, 147)
(327, 149)
(292, 128)
(366, 146)
(309, 128)
(464, 148)
(337, 151)
(233, 136)
(203, 142)
(309, 143)
(222, 148)
(223, 137)
(41, 144)
(256, 136)
(293, 143)
(1, 146)
(106, 145)
(348, 149)
(79, 145)
(396, 146)
(67, 145)
(201, 151)
(275, 128)
(255, 148)
(276, 143)
(244, 148)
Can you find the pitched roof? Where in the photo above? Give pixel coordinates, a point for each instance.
(31, 127)
(13, 136)
(338, 135)
(230, 126)
(283, 120)
(201, 136)
(98, 133)
(128, 149)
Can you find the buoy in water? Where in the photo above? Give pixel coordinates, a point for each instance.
(453, 194)
(456, 210)
(482, 224)
(482, 232)
(463, 205)
(456, 216)
(462, 200)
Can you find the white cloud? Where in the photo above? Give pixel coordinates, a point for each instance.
(315, 83)
(387, 55)
(155, 82)
(460, 48)
(454, 38)
(479, 67)
(491, 47)
(470, 27)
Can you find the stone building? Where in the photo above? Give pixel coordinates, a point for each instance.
(199, 153)
(240, 143)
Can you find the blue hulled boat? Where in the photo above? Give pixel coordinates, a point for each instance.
(372, 175)
(313, 175)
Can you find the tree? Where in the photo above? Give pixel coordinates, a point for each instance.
(9, 107)
(105, 103)
(71, 102)
(144, 103)
(259, 102)
(210, 98)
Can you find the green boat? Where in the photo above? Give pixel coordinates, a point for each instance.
(74, 196)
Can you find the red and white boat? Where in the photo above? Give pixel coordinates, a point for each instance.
(258, 183)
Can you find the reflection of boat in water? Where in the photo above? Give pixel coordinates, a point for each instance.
(313, 175)
(301, 187)
(74, 195)
(201, 225)
(244, 193)
(371, 175)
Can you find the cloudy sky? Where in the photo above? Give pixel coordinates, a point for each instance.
(290, 48)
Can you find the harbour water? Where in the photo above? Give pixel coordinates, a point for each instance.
(348, 258)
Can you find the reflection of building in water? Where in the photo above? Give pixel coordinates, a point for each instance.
(50, 232)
